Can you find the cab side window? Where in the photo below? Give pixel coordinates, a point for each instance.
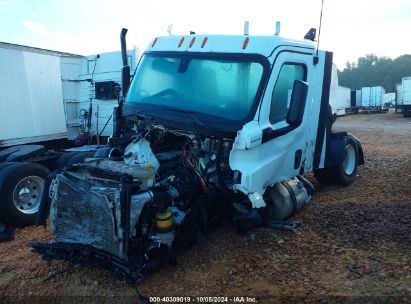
(280, 99)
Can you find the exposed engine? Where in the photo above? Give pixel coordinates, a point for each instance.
(165, 193)
(166, 187)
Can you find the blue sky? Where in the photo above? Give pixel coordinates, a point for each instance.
(351, 28)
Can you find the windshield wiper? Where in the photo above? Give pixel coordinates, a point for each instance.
(192, 114)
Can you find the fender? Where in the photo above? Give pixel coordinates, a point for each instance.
(21, 152)
(336, 149)
(360, 151)
(6, 168)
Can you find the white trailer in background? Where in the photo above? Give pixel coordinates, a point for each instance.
(358, 98)
(372, 98)
(406, 96)
(45, 95)
(31, 94)
(342, 104)
(340, 97)
(398, 98)
(333, 89)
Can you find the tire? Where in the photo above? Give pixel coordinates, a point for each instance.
(21, 188)
(343, 173)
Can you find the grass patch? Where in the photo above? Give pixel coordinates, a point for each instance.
(224, 264)
(276, 236)
(14, 277)
(391, 260)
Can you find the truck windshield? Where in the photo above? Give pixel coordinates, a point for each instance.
(224, 88)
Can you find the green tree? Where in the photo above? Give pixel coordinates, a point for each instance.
(371, 70)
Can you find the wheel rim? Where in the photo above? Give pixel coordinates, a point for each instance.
(27, 194)
(349, 160)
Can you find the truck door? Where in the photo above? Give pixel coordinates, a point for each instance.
(283, 147)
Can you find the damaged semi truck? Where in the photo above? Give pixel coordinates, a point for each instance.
(211, 125)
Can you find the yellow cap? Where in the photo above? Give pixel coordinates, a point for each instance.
(164, 220)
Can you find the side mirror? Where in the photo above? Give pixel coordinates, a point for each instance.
(297, 104)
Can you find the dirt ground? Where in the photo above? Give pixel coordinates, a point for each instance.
(354, 245)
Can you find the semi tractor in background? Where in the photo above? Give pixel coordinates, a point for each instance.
(340, 97)
(50, 100)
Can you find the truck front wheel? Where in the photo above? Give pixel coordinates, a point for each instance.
(21, 188)
(343, 173)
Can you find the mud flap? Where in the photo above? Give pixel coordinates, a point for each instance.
(335, 149)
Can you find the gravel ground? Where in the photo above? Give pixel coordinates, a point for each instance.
(354, 245)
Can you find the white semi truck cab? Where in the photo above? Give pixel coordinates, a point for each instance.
(211, 124)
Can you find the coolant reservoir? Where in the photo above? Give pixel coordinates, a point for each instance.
(140, 153)
(286, 198)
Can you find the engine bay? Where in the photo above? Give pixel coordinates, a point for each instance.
(135, 207)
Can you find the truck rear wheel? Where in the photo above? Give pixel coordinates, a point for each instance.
(21, 188)
(343, 173)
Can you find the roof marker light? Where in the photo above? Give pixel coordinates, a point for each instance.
(246, 27)
(181, 41)
(192, 42)
(245, 43)
(277, 28)
(204, 42)
(154, 42)
(170, 26)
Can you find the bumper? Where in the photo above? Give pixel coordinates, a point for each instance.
(86, 254)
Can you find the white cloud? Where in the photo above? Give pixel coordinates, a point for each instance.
(34, 26)
(41, 29)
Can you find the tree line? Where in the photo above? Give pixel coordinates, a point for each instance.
(372, 70)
